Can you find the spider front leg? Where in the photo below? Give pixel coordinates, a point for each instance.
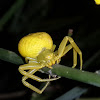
(24, 78)
(32, 67)
(63, 49)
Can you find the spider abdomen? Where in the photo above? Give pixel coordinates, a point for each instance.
(32, 44)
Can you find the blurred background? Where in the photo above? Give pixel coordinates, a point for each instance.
(56, 17)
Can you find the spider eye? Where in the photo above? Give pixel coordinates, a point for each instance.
(50, 56)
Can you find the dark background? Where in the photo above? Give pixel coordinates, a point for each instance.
(55, 17)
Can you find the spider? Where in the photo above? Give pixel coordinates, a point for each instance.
(39, 51)
(97, 2)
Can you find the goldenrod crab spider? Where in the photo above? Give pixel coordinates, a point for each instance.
(38, 50)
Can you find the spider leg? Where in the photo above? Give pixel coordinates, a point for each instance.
(75, 59)
(67, 48)
(29, 74)
(24, 78)
(27, 59)
(35, 68)
(64, 49)
(62, 52)
(53, 47)
(77, 50)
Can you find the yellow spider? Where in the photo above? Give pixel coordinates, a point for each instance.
(38, 51)
(97, 2)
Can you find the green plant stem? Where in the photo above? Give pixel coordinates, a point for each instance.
(75, 74)
(10, 56)
(60, 70)
(78, 91)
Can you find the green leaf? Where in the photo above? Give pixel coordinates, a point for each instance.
(10, 56)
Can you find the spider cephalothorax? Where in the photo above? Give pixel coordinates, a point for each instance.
(48, 57)
(38, 50)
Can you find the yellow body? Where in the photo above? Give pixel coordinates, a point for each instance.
(38, 50)
(32, 44)
(97, 2)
